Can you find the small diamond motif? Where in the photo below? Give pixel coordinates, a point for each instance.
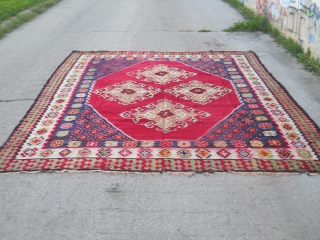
(244, 153)
(161, 73)
(145, 152)
(224, 153)
(47, 123)
(298, 144)
(264, 153)
(276, 112)
(287, 126)
(84, 152)
(35, 141)
(304, 153)
(29, 152)
(104, 152)
(292, 136)
(165, 114)
(46, 153)
(282, 119)
(125, 152)
(42, 131)
(164, 153)
(184, 153)
(64, 152)
(284, 153)
(203, 153)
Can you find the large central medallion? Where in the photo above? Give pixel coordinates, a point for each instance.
(141, 110)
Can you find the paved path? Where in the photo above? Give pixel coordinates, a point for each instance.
(109, 206)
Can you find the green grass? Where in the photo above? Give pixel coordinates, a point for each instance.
(11, 11)
(257, 23)
(246, 12)
(10, 8)
(254, 22)
(204, 30)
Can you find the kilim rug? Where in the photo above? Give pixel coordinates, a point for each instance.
(163, 111)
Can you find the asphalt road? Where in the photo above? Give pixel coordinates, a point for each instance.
(121, 206)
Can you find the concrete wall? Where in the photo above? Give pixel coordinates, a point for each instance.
(298, 19)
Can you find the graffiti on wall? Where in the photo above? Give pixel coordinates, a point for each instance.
(298, 19)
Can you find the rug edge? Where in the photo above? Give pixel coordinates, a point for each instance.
(289, 111)
(202, 170)
(31, 108)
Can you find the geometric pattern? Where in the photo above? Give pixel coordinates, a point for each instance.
(198, 92)
(127, 92)
(161, 74)
(165, 116)
(88, 112)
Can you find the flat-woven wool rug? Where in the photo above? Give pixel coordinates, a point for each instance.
(163, 111)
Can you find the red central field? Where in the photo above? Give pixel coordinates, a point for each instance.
(167, 105)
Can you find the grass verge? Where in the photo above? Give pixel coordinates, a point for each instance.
(204, 30)
(10, 8)
(254, 22)
(13, 19)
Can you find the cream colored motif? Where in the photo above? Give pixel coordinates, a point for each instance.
(198, 92)
(127, 92)
(165, 116)
(161, 74)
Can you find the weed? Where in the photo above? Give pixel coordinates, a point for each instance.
(204, 30)
(254, 22)
(247, 13)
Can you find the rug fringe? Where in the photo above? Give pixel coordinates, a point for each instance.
(313, 174)
(110, 172)
(21, 172)
(265, 173)
(188, 174)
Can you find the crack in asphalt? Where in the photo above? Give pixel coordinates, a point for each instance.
(16, 100)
